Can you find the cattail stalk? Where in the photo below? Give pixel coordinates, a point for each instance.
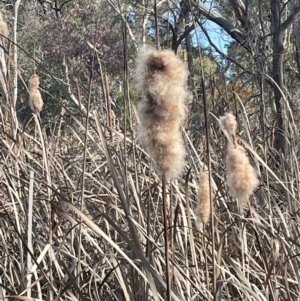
(162, 82)
(167, 256)
(214, 278)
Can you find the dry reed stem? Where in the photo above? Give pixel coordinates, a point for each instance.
(203, 208)
(241, 176)
(162, 82)
(198, 254)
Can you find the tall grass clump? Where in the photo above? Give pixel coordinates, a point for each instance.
(35, 99)
(203, 208)
(66, 185)
(240, 175)
(162, 82)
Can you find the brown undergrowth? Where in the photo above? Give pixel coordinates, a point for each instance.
(256, 251)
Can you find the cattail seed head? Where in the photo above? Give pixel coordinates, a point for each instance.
(166, 148)
(203, 208)
(241, 176)
(34, 82)
(36, 101)
(229, 123)
(162, 82)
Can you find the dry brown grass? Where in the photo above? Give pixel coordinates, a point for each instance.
(44, 210)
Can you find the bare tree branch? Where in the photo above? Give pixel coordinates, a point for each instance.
(187, 31)
(217, 49)
(235, 33)
(292, 16)
(240, 11)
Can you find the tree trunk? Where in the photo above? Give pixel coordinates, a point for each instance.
(189, 47)
(190, 61)
(242, 37)
(296, 33)
(277, 73)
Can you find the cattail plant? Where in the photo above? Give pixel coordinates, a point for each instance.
(35, 98)
(162, 82)
(203, 208)
(240, 175)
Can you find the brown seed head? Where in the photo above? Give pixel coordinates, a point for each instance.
(229, 123)
(162, 81)
(34, 82)
(241, 176)
(36, 101)
(203, 208)
(165, 145)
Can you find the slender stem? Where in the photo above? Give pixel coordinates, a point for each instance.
(126, 102)
(15, 74)
(166, 238)
(82, 197)
(210, 194)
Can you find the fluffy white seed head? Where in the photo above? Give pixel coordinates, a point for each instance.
(34, 82)
(36, 101)
(241, 176)
(203, 208)
(229, 123)
(161, 79)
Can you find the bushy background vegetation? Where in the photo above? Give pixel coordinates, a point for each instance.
(81, 206)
